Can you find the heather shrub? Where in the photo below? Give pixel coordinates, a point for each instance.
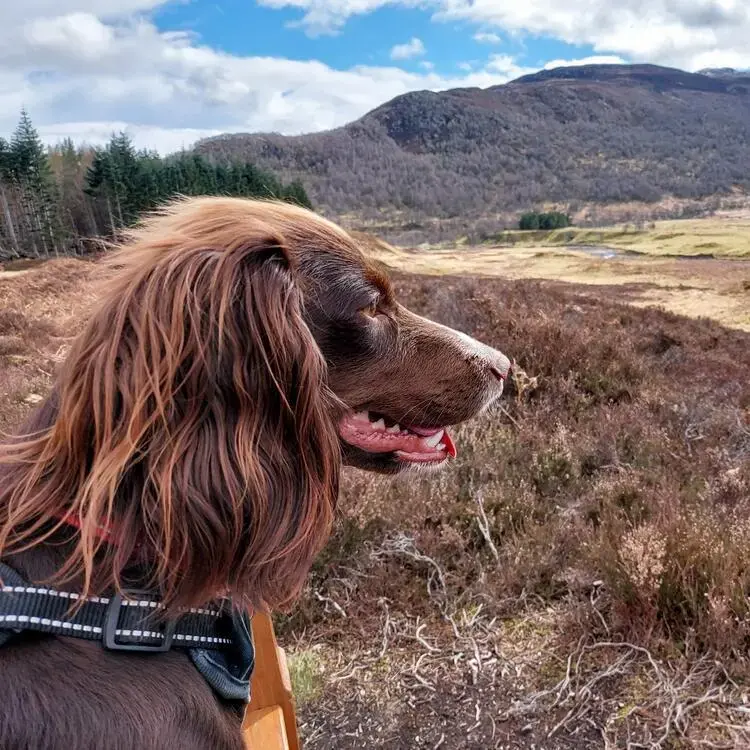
(624, 465)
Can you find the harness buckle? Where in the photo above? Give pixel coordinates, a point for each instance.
(112, 620)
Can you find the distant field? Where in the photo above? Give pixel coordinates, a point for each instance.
(721, 237)
(698, 268)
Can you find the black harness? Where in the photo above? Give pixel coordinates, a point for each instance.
(217, 639)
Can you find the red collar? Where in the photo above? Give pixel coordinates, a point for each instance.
(102, 532)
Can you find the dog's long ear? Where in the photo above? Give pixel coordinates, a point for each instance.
(195, 423)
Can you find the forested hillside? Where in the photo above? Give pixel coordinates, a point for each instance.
(53, 201)
(600, 133)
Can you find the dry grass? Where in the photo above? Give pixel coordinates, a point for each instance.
(579, 577)
(40, 310)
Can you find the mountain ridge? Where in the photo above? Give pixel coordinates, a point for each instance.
(592, 133)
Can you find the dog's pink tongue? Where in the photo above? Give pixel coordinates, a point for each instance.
(424, 431)
(446, 440)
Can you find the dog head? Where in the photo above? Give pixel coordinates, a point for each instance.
(402, 378)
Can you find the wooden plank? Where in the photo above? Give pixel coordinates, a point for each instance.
(271, 687)
(265, 729)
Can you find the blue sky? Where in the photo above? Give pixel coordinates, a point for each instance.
(172, 71)
(239, 27)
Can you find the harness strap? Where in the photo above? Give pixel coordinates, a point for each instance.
(9, 577)
(122, 623)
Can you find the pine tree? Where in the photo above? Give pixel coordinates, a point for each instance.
(4, 158)
(529, 221)
(29, 168)
(8, 237)
(125, 182)
(295, 193)
(28, 160)
(114, 177)
(51, 199)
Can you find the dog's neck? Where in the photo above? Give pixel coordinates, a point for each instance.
(40, 563)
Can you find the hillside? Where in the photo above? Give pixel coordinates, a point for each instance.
(599, 133)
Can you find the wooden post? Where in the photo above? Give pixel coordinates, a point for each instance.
(270, 720)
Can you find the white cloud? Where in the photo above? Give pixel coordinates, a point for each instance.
(487, 37)
(14, 14)
(81, 33)
(683, 33)
(329, 16)
(593, 60)
(506, 66)
(427, 65)
(413, 48)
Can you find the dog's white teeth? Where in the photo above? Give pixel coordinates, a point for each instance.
(433, 440)
(379, 425)
(362, 416)
(441, 446)
(394, 430)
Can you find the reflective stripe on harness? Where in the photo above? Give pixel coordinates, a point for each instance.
(218, 640)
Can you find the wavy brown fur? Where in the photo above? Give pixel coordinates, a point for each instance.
(191, 416)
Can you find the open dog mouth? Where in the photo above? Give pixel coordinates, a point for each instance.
(376, 433)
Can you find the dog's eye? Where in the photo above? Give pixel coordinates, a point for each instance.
(371, 310)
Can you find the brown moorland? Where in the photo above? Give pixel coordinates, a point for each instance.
(578, 578)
